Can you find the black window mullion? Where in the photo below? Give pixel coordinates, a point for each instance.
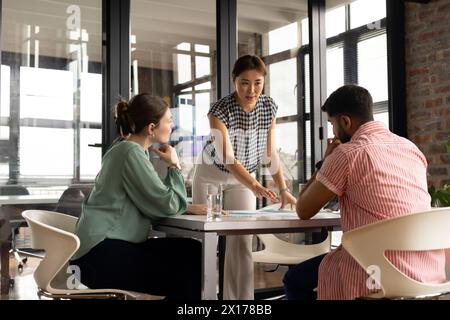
(347, 17)
(301, 140)
(317, 64)
(14, 125)
(226, 44)
(303, 117)
(226, 24)
(395, 33)
(115, 62)
(350, 48)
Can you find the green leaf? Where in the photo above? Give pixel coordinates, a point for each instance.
(448, 143)
(444, 197)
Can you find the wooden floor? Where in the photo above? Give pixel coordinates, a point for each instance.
(25, 288)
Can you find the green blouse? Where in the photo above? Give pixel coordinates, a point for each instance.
(128, 195)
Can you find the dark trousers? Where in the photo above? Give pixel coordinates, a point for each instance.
(168, 267)
(300, 280)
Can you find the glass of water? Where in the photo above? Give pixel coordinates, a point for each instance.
(213, 201)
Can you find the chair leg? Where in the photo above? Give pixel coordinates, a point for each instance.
(20, 261)
(74, 296)
(221, 256)
(13, 251)
(5, 278)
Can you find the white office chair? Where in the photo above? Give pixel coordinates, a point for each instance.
(283, 253)
(53, 232)
(280, 252)
(427, 230)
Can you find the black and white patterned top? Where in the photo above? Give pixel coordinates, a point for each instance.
(247, 130)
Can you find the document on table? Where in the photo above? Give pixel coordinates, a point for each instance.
(261, 212)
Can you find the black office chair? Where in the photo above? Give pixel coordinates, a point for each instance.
(72, 198)
(14, 214)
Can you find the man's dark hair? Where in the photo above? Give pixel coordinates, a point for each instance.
(350, 99)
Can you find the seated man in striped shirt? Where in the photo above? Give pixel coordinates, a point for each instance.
(377, 175)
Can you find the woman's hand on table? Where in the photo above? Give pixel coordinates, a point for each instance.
(262, 192)
(200, 210)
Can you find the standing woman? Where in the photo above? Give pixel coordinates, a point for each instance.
(127, 196)
(242, 137)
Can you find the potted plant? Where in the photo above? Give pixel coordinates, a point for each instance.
(440, 197)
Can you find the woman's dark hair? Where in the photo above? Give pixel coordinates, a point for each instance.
(352, 100)
(133, 116)
(248, 62)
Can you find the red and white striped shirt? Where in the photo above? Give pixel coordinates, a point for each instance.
(377, 175)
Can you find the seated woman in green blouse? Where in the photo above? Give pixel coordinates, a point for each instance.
(128, 195)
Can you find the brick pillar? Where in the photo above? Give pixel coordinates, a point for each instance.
(427, 50)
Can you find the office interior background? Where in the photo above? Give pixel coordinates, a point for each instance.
(64, 63)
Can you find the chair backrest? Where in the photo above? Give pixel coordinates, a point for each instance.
(429, 230)
(274, 244)
(72, 198)
(12, 190)
(53, 232)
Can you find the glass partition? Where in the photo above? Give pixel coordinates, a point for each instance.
(276, 31)
(173, 55)
(51, 92)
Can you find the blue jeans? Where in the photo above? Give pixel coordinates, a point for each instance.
(300, 280)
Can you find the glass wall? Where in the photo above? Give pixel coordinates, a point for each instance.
(51, 91)
(357, 54)
(274, 31)
(51, 81)
(356, 47)
(173, 55)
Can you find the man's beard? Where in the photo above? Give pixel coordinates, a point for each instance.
(343, 137)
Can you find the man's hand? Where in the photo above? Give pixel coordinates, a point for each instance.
(287, 198)
(331, 145)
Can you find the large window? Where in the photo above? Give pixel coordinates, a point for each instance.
(357, 54)
(364, 43)
(51, 92)
(173, 55)
(275, 32)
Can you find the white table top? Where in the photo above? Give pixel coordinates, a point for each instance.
(259, 221)
(29, 199)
